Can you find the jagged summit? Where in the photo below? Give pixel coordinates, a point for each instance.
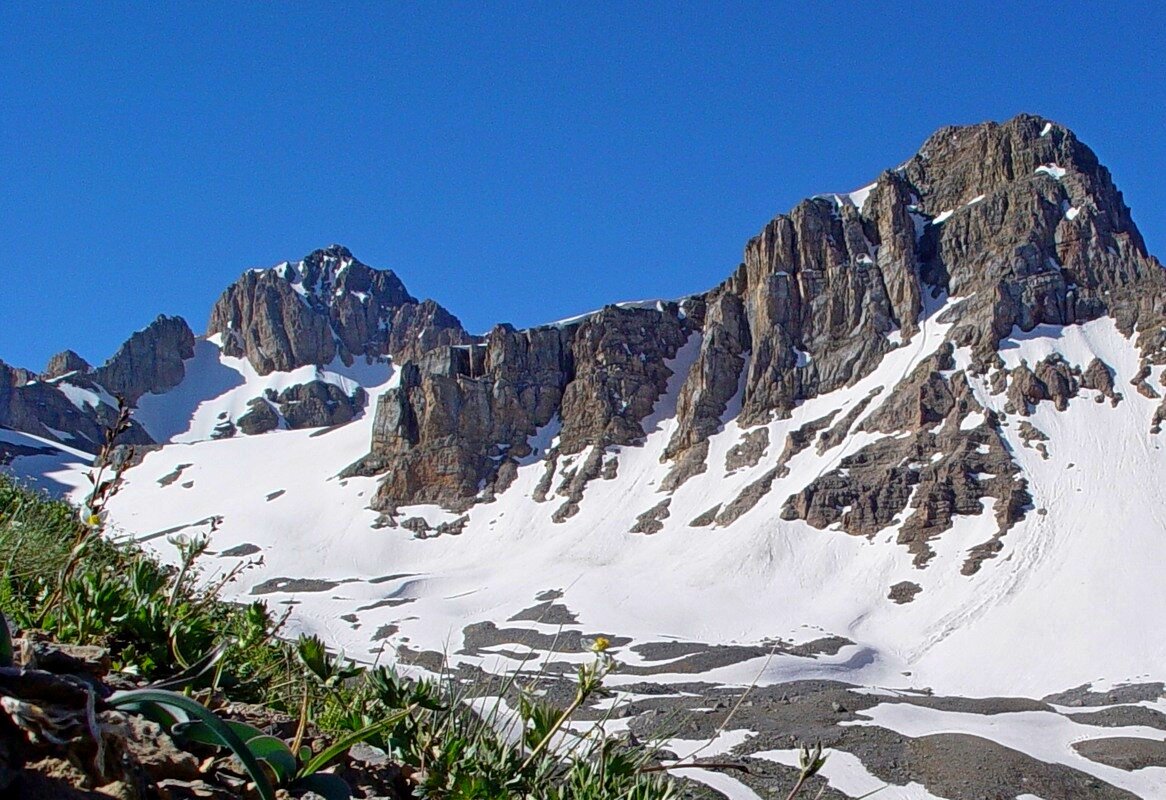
(329, 305)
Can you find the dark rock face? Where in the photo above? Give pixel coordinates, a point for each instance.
(261, 417)
(713, 379)
(1050, 242)
(1020, 220)
(315, 404)
(620, 373)
(939, 472)
(328, 305)
(63, 363)
(149, 361)
(42, 409)
(459, 413)
(1017, 221)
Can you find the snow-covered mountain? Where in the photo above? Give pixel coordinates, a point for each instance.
(912, 442)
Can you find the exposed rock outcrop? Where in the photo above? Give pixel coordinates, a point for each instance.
(78, 418)
(329, 305)
(940, 471)
(460, 413)
(63, 363)
(149, 361)
(315, 404)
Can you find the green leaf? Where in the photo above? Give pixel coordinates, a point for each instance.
(197, 669)
(199, 731)
(228, 737)
(328, 786)
(314, 656)
(7, 656)
(325, 756)
(276, 754)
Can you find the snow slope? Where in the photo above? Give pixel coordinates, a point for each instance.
(366, 588)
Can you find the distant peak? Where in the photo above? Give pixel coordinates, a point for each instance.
(332, 252)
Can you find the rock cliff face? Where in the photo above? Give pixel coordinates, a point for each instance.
(327, 306)
(149, 361)
(74, 404)
(63, 363)
(1018, 218)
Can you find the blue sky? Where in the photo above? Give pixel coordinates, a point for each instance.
(517, 162)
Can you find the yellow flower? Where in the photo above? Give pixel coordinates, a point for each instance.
(600, 644)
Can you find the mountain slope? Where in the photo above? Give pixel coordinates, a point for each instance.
(912, 441)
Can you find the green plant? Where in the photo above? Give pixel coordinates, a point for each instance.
(161, 706)
(268, 760)
(6, 653)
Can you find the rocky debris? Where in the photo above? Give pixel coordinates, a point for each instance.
(1122, 717)
(1140, 383)
(1124, 752)
(60, 739)
(172, 477)
(610, 468)
(921, 400)
(1098, 376)
(749, 451)
(293, 585)
(944, 470)
(329, 305)
(150, 361)
(241, 550)
(1029, 433)
(543, 487)
(798, 440)
(1121, 694)
(575, 477)
(418, 525)
(261, 417)
(904, 592)
(706, 518)
(452, 527)
(547, 612)
(1061, 380)
(691, 462)
(1158, 418)
(1025, 390)
(750, 496)
(652, 520)
(64, 363)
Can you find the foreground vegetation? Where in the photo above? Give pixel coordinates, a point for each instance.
(168, 626)
(193, 654)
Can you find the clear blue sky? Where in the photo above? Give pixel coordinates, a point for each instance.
(516, 162)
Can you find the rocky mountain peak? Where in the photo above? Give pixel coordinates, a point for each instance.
(328, 305)
(63, 363)
(1018, 220)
